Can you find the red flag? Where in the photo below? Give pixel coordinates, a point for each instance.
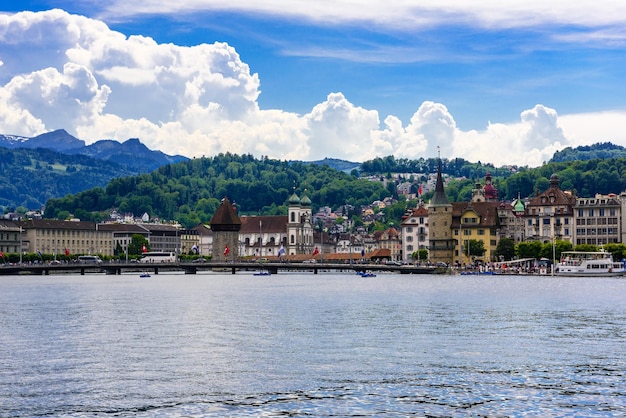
(226, 251)
(67, 252)
(144, 249)
(316, 251)
(1, 254)
(419, 191)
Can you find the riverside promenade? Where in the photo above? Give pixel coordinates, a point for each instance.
(193, 268)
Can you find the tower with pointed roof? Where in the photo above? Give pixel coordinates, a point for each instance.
(225, 225)
(299, 225)
(441, 243)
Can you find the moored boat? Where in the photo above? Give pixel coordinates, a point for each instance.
(589, 263)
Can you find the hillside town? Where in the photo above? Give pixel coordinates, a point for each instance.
(443, 230)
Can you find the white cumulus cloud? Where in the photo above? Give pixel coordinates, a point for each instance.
(68, 71)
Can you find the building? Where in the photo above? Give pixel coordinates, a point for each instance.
(10, 237)
(225, 225)
(478, 221)
(414, 230)
(122, 236)
(49, 236)
(299, 226)
(550, 215)
(162, 237)
(262, 236)
(597, 220)
(441, 243)
(391, 240)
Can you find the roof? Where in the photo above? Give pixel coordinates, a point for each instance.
(269, 224)
(56, 224)
(225, 218)
(553, 196)
(486, 211)
(439, 198)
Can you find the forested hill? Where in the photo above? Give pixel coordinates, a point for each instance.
(190, 191)
(29, 177)
(591, 152)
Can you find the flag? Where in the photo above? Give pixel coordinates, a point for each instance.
(1, 254)
(316, 251)
(195, 249)
(144, 249)
(226, 251)
(419, 190)
(281, 251)
(363, 253)
(67, 252)
(40, 255)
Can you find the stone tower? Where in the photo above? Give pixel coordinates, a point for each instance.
(225, 225)
(441, 243)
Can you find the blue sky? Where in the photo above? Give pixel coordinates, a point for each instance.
(307, 80)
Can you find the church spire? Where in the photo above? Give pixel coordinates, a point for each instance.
(439, 198)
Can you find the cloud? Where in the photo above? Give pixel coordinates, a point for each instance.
(68, 71)
(399, 13)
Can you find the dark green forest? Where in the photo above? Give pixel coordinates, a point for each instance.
(190, 192)
(29, 177)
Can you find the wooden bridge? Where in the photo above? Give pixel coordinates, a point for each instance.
(193, 268)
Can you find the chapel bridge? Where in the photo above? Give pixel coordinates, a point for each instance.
(193, 268)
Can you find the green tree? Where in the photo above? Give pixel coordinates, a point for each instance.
(505, 249)
(420, 255)
(529, 249)
(137, 243)
(476, 248)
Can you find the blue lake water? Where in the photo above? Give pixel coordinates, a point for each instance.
(312, 345)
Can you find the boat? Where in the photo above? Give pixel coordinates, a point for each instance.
(589, 263)
(263, 273)
(145, 274)
(366, 274)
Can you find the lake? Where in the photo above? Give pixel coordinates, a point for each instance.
(330, 344)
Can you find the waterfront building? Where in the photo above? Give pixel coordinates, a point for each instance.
(391, 240)
(299, 226)
(10, 237)
(441, 243)
(262, 236)
(50, 236)
(225, 225)
(478, 221)
(597, 220)
(163, 237)
(414, 230)
(550, 215)
(121, 235)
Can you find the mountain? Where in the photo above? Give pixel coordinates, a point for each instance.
(340, 165)
(54, 164)
(30, 177)
(58, 140)
(131, 154)
(126, 154)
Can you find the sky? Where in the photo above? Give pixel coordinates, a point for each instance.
(501, 82)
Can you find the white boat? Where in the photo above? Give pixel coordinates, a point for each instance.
(589, 263)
